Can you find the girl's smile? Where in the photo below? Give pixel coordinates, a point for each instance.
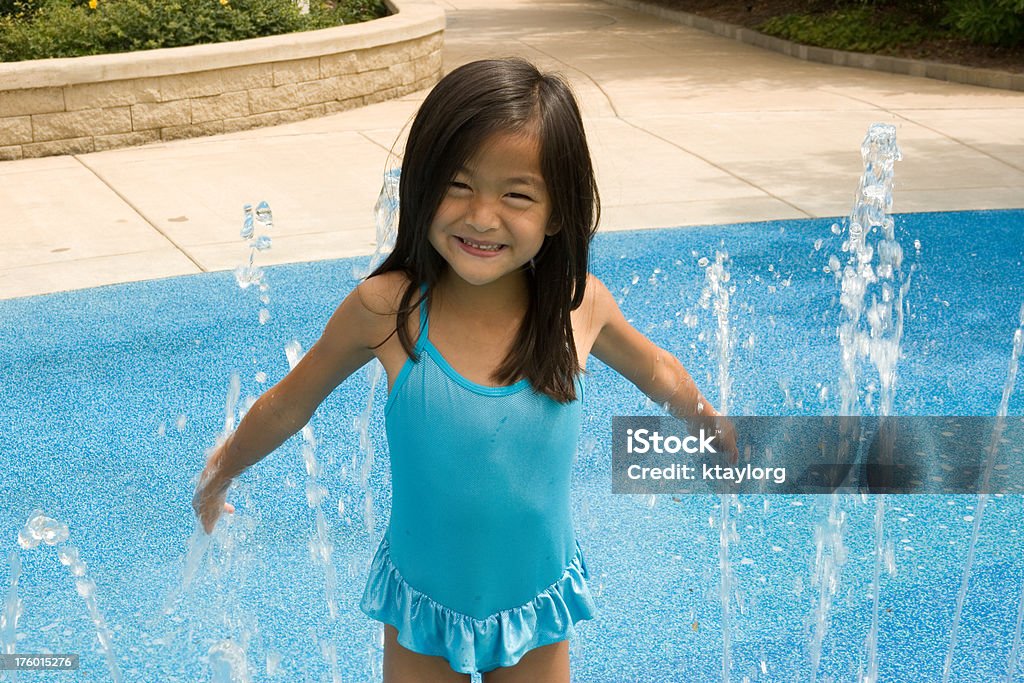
(494, 216)
(479, 248)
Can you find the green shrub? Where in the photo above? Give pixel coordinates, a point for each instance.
(921, 8)
(854, 28)
(70, 28)
(989, 22)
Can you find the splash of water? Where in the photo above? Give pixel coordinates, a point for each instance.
(990, 458)
(362, 425)
(228, 662)
(13, 609)
(871, 676)
(230, 405)
(716, 296)
(874, 266)
(830, 556)
(261, 220)
(385, 220)
(40, 529)
(256, 223)
(321, 547)
(873, 285)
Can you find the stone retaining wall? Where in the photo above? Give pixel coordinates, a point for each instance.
(88, 104)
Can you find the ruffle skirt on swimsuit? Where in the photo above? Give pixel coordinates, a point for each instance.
(476, 645)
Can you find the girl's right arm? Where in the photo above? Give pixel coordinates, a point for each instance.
(360, 322)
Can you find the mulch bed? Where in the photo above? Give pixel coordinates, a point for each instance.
(752, 13)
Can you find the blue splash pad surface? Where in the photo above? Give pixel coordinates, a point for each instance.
(87, 379)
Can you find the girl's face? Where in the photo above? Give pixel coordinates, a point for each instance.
(494, 217)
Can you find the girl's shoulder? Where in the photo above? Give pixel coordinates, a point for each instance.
(598, 302)
(597, 308)
(382, 294)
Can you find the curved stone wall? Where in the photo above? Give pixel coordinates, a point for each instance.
(87, 104)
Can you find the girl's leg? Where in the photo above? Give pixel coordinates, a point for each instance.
(548, 664)
(405, 666)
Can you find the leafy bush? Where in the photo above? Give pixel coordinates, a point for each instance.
(855, 25)
(71, 28)
(989, 22)
(855, 28)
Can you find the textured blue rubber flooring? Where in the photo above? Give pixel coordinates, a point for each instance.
(109, 397)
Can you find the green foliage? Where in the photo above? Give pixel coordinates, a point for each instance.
(855, 25)
(989, 22)
(854, 28)
(920, 8)
(19, 8)
(40, 29)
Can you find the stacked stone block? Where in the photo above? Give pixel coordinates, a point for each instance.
(95, 116)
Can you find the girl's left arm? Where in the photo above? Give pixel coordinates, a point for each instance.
(654, 371)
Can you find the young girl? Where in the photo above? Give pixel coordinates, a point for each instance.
(483, 317)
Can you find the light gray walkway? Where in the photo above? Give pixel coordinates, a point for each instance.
(686, 128)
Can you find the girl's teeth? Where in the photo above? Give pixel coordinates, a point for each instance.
(493, 247)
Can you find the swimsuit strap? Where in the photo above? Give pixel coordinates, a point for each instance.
(424, 322)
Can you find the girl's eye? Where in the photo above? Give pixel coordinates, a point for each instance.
(516, 195)
(457, 185)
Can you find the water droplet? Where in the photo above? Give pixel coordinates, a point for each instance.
(264, 316)
(315, 493)
(228, 661)
(293, 350)
(68, 556)
(273, 663)
(261, 377)
(264, 216)
(261, 243)
(247, 224)
(86, 587)
(247, 275)
(27, 540)
(703, 262)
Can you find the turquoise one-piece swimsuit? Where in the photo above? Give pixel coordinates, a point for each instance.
(479, 563)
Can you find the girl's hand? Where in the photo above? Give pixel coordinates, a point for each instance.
(209, 499)
(724, 430)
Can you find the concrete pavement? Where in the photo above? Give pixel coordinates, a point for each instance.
(686, 128)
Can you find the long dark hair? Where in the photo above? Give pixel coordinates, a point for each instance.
(467, 106)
